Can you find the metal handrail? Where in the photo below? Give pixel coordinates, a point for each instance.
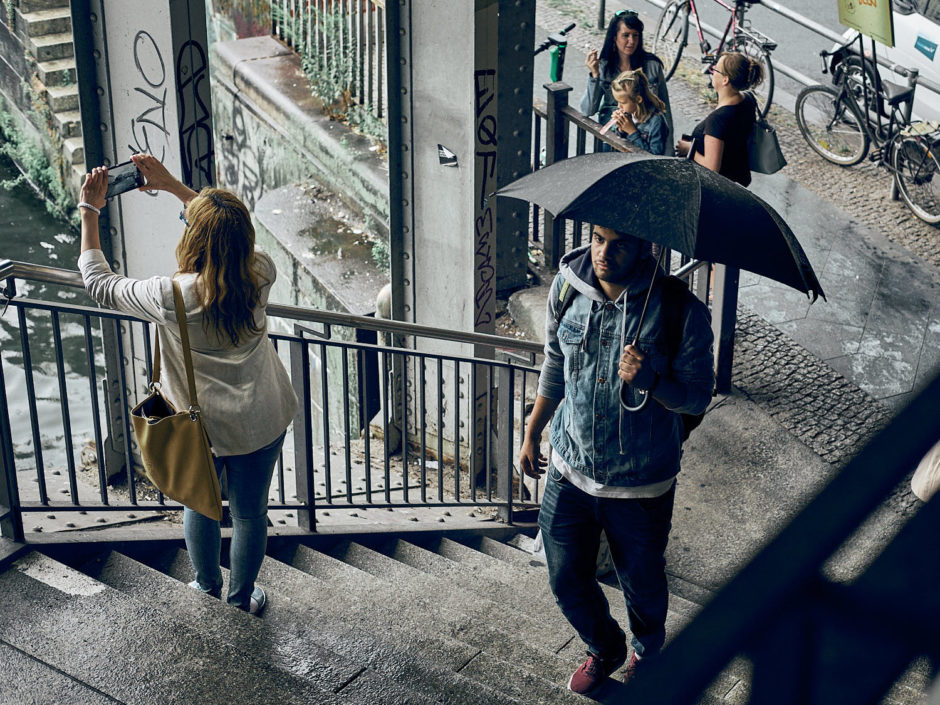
(415, 402)
(10, 269)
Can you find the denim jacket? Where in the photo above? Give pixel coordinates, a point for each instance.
(590, 429)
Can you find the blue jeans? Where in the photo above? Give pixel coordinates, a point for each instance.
(637, 531)
(249, 478)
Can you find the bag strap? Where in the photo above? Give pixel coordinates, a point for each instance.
(187, 353)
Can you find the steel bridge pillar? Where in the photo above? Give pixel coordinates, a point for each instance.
(460, 123)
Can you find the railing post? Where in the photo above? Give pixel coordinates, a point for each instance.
(724, 319)
(556, 149)
(601, 14)
(504, 443)
(303, 432)
(11, 521)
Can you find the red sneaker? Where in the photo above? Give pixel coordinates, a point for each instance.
(593, 672)
(635, 666)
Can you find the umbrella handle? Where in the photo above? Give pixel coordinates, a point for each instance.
(645, 398)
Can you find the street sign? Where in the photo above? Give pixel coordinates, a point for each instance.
(872, 18)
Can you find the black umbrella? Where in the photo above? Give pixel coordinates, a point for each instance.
(676, 203)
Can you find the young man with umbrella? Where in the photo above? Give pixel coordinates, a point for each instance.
(613, 469)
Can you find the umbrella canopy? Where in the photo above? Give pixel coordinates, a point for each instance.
(676, 203)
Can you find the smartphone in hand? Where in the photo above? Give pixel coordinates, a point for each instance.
(122, 178)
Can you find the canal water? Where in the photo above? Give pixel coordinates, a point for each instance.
(28, 233)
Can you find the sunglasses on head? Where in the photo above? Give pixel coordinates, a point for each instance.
(626, 13)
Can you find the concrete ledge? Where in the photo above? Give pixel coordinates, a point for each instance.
(265, 78)
(321, 264)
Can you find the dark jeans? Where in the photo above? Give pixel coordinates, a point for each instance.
(637, 531)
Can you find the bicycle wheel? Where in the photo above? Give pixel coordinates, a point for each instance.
(918, 176)
(763, 92)
(830, 126)
(672, 31)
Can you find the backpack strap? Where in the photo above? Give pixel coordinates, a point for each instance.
(565, 296)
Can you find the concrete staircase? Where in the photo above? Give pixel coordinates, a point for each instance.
(45, 27)
(393, 622)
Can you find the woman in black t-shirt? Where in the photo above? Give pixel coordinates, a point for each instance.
(719, 142)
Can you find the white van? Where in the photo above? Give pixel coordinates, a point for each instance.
(916, 45)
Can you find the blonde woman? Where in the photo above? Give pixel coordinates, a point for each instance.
(640, 116)
(245, 394)
(719, 142)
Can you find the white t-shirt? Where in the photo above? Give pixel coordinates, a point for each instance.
(596, 489)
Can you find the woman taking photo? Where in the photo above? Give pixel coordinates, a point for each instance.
(245, 394)
(622, 51)
(719, 142)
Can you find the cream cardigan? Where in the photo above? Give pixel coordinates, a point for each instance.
(245, 393)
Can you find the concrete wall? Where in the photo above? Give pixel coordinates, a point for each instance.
(271, 132)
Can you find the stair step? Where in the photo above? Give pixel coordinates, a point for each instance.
(27, 680)
(58, 72)
(51, 46)
(74, 150)
(62, 98)
(68, 123)
(39, 5)
(95, 634)
(505, 660)
(40, 23)
(296, 606)
(398, 562)
(526, 573)
(279, 643)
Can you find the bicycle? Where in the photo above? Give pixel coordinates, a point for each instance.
(842, 131)
(672, 34)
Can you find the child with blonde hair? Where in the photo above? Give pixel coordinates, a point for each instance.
(640, 115)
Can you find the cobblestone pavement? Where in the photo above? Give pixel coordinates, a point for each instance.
(806, 396)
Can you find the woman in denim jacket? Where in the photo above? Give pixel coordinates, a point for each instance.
(623, 51)
(613, 470)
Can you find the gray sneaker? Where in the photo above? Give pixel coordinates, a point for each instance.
(258, 601)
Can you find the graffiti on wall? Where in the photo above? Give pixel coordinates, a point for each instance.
(484, 82)
(192, 86)
(148, 127)
(242, 165)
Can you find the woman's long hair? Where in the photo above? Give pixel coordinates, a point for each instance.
(634, 84)
(219, 245)
(609, 49)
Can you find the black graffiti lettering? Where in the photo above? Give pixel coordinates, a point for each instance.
(146, 63)
(485, 271)
(242, 161)
(483, 81)
(195, 118)
(148, 128)
(488, 169)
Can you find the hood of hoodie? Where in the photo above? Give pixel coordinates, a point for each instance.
(578, 270)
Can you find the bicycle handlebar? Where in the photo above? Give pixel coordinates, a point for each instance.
(555, 39)
(894, 67)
